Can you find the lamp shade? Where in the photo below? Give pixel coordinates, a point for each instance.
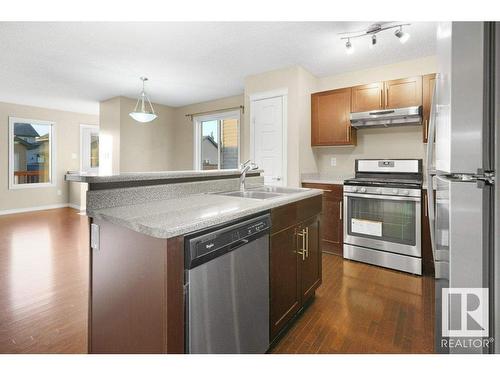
(143, 111)
(143, 116)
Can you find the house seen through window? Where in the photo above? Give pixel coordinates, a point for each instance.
(217, 141)
(31, 155)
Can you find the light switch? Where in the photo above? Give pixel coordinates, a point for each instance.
(74, 156)
(333, 162)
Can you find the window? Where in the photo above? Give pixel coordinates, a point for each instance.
(31, 153)
(217, 143)
(89, 148)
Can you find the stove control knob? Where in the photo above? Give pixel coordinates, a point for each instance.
(354, 189)
(395, 191)
(379, 191)
(363, 190)
(404, 192)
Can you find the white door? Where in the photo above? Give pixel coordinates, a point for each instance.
(268, 138)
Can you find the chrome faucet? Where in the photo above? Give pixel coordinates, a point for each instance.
(245, 167)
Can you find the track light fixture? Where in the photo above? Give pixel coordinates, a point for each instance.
(372, 32)
(403, 37)
(349, 48)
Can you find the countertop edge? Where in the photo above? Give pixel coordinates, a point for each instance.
(203, 224)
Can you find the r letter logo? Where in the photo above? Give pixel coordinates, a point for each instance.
(465, 312)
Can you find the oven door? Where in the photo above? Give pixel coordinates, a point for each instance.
(383, 222)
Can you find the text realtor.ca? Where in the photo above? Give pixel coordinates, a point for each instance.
(465, 318)
(466, 343)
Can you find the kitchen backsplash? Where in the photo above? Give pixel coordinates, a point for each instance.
(390, 143)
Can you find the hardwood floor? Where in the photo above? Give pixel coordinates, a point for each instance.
(365, 309)
(44, 285)
(43, 282)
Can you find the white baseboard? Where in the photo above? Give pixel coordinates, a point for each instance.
(75, 206)
(38, 208)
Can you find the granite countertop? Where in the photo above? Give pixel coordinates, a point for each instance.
(315, 178)
(145, 176)
(174, 217)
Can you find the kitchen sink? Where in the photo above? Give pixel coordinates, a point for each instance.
(253, 194)
(278, 189)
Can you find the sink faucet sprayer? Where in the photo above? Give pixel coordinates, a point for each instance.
(245, 167)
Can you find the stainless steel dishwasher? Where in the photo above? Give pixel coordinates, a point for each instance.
(227, 288)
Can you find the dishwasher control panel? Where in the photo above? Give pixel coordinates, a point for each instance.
(205, 246)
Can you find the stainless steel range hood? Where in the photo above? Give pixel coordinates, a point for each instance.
(387, 117)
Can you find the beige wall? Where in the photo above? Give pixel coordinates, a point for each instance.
(130, 146)
(397, 142)
(109, 136)
(67, 143)
(184, 131)
(146, 147)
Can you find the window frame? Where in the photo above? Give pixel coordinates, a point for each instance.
(52, 153)
(83, 146)
(218, 116)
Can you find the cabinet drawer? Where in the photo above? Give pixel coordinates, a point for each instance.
(290, 214)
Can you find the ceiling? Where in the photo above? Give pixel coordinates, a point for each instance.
(73, 66)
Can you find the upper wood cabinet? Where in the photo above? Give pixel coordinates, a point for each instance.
(367, 97)
(330, 118)
(400, 93)
(330, 110)
(428, 83)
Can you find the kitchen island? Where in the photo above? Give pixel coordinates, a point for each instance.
(137, 266)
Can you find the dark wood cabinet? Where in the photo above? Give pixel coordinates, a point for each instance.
(284, 283)
(295, 260)
(330, 118)
(136, 293)
(405, 92)
(428, 83)
(330, 110)
(427, 256)
(332, 224)
(309, 257)
(367, 97)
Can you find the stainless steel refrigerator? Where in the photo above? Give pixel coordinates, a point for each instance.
(460, 178)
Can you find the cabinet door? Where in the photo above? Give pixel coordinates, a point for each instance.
(284, 286)
(310, 259)
(330, 118)
(428, 83)
(332, 230)
(367, 97)
(406, 92)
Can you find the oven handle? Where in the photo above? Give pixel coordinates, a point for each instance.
(387, 197)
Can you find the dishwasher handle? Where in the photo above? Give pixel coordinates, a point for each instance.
(237, 244)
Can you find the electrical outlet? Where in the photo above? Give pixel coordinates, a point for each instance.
(333, 162)
(74, 156)
(59, 192)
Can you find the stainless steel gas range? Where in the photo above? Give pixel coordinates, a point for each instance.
(382, 207)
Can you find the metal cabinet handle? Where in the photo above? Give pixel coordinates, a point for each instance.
(340, 210)
(307, 242)
(303, 249)
(425, 205)
(381, 95)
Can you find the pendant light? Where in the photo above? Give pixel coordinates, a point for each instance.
(143, 113)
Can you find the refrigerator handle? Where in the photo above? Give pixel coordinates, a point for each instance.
(430, 169)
